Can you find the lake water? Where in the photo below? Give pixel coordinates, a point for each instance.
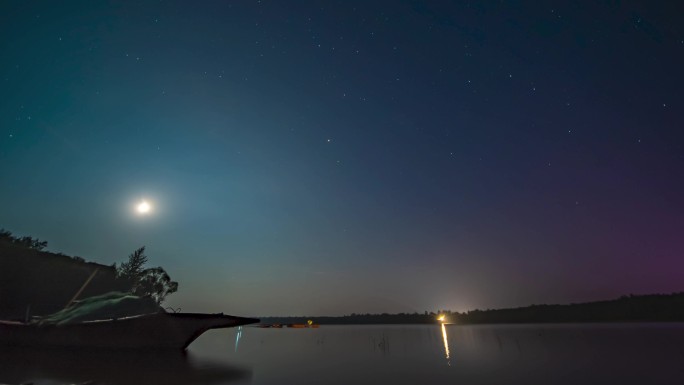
(382, 354)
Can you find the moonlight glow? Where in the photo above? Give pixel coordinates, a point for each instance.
(143, 208)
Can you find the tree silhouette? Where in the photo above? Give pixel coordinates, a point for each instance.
(27, 242)
(132, 269)
(152, 282)
(156, 283)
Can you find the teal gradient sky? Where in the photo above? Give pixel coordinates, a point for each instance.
(338, 157)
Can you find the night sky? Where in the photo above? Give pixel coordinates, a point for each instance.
(338, 157)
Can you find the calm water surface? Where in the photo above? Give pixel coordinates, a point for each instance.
(405, 354)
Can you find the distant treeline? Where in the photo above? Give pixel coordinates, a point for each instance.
(632, 308)
(644, 308)
(356, 319)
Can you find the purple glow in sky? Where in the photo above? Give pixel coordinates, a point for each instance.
(338, 157)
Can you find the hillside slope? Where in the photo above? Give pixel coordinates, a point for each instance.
(45, 282)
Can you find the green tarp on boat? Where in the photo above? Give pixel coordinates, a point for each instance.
(106, 306)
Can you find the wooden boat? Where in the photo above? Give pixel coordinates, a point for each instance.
(146, 331)
(270, 326)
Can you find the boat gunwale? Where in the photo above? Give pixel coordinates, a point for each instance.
(198, 316)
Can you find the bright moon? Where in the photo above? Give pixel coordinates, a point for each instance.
(143, 207)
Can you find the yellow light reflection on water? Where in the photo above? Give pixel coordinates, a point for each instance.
(446, 344)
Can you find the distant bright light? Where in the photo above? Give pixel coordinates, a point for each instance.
(441, 318)
(143, 207)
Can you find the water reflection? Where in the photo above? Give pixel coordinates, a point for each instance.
(50, 366)
(238, 335)
(446, 344)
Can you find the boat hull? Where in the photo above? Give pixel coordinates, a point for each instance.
(147, 331)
